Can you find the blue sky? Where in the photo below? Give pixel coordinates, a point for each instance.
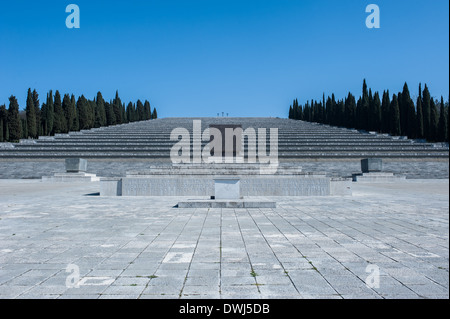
(199, 58)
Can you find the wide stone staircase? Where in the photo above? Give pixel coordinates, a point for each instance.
(151, 140)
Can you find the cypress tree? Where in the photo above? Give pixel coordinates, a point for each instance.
(316, 112)
(409, 114)
(2, 135)
(364, 90)
(294, 111)
(328, 110)
(306, 112)
(14, 122)
(117, 104)
(59, 122)
(313, 112)
(365, 105)
(74, 119)
(68, 111)
(419, 125)
(154, 114)
(7, 132)
(433, 121)
(91, 106)
(426, 107)
(358, 114)
(324, 113)
(37, 111)
(110, 116)
(31, 116)
(82, 110)
(140, 110)
(371, 113)
(350, 111)
(3, 120)
(124, 114)
(334, 111)
(24, 126)
(299, 113)
(100, 112)
(130, 112)
(340, 112)
(43, 128)
(385, 112)
(403, 106)
(147, 110)
(395, 128)
(291, 112)
(365, 113)
(442, 127)
(321, 119)
(376, 113)
(49, 114)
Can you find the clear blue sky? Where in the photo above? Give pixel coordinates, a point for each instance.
(242, 57)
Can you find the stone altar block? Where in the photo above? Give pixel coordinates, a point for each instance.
(371, 165)
(227, 188)
(76, 165)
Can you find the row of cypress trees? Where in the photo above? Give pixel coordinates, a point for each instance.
(63, 114)
(426, 118)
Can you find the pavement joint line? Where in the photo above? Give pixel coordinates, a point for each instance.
(253, 274)
(195, 248)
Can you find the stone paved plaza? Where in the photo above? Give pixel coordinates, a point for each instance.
(145, 247)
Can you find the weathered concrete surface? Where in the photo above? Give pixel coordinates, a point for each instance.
(313, 247)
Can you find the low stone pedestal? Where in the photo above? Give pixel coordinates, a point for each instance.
(371, 169)
(75, 172)
(377, 177)
(71, 177)
(214, 180)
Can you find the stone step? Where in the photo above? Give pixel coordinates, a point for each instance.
(168, 149)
